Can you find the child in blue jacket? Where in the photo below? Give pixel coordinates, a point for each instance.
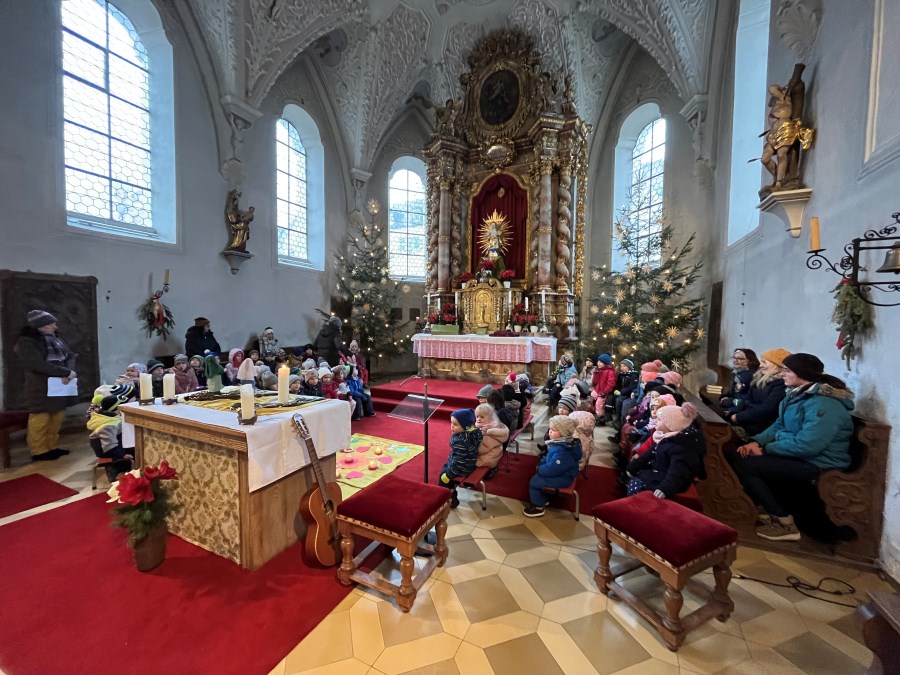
(559, 467)
(465, 438)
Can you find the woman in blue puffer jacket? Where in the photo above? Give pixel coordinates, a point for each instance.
(812, 434)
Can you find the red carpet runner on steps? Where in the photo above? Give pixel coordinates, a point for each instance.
(455, 395)
(73, 602)
(27, 492)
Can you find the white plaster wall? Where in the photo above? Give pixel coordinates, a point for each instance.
(34, 236)
(771, 298)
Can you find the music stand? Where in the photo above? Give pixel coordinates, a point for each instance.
(418, 409)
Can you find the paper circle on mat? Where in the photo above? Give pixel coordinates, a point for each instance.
(355, 474)
(363, 448)
(385, 460)
(402, 448)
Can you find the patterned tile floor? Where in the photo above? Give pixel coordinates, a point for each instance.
(518, 594)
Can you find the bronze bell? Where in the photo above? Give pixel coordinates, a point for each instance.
(891, 260)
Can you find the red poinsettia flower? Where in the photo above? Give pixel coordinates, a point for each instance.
(163, 472)
(486, 264)
(433, 317)
(465, 276)
(449, 318)
(133, 490)
(507, 275)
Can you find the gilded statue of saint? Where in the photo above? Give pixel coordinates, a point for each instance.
(786, 135)
(238, 222)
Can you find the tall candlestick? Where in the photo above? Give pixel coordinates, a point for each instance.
(509, 299)
(456, 299)
(427, 304)
(526, 303)
(283, 374)
(815, 244)
(166, 278)
(248, 404)
(146, 387)
(169, 386)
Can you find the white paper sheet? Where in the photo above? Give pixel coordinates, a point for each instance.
(55, 387)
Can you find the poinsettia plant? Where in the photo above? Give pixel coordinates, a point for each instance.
(446, 315)
(486, 265)
(143, 498)
(466, 276)
(507, 275)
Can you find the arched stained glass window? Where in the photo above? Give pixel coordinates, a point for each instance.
(406, 219)
(291, 193)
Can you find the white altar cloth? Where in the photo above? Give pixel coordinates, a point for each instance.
(273, 449)
(524, 349)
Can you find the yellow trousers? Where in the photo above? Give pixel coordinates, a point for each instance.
(43, 431)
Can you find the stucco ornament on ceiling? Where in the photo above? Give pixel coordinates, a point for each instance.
(798, 25)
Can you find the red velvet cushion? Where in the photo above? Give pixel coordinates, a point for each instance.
(674, 532)
(394, 504)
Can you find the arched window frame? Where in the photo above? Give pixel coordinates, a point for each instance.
(163, 173)
(402, 209)
(624, 173)
(311, 140)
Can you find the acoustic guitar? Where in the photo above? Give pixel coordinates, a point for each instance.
(318, 508)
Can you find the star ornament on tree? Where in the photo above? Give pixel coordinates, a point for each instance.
(613, 332)
(620, 296)
(595, 275)
(667, 286)
(654, 299)
(671, 332)
(626, 319)
(699, 333)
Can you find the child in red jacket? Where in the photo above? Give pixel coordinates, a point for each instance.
(604, 383)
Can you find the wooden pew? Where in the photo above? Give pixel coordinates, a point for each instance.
(852, 498)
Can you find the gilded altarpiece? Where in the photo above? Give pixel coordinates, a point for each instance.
(513, 142)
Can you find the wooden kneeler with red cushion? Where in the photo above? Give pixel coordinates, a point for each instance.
(676, 543)
(398, 513)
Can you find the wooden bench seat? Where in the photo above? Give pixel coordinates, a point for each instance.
(852, 498)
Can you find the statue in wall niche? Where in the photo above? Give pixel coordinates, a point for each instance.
(238, 222)
(786, 135)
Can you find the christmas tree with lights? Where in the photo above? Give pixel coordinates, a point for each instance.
(644, 312)
(363, 279)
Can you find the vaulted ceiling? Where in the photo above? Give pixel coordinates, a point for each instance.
(374, 54)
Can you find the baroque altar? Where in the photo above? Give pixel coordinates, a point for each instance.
(481, 358)
(507, 178)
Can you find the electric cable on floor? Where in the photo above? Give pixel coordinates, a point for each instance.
(806, 588)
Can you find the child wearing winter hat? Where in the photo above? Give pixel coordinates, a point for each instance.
(584, 425)
(626, 385)
(185, 380)
(565, 370)
(465, 438)
(295, 384)
(156, 370)
(587, 373)
(311, 386)
(558, 468)
(235, 358)
(105, 427)
(339, 374)
(675, 459)
(358, 392)
(196, 363)
(493, 436)
(604, 383)
(326, 381)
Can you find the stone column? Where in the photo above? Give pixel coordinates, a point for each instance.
(544, 229)
(444, 225)
(563, 226)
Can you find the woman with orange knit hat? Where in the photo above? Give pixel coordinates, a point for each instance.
(758, 408)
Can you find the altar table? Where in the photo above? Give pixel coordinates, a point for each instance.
(481, 358)
(239, 487)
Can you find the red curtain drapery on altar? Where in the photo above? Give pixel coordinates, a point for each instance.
(514, 205)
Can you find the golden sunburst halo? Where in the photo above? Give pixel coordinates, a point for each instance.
(494, 233)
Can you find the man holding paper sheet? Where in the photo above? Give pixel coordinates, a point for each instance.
(50, 383)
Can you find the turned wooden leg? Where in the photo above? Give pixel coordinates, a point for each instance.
(407, 595)
(672, 620)
(722, 574)
(347, 567)
(440, 547)
(603, 576)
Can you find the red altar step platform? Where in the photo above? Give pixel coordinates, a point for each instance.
(455, 395)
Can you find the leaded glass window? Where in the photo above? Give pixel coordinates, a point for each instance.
(406, 225)
(291, 193)
(646, 203)
(106, 112)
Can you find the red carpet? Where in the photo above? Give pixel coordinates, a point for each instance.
(600, 486)
(455, 395)
(73, 602)
(21, 494)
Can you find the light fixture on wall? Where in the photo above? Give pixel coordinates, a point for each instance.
(849, 267)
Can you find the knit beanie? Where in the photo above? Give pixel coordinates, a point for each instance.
(776, 356)
(201, 321)
(672, 378)
(353, 345)
(109, 404)
(38, 318)
(627, 362)
(246, 371)
(805, 366)
(512, 377)
(485, 391)
(465, 417)
(292, 379)
(523, 377)
(605, 359)
(335, 321)
(324, 371)
(181, 358)
(564, 425)
(677, 418)
(140, 367)
(648, 375)
(308, 364)
(568, 402)
(310, 374)
(153, 364)
(650, 366)
(667, 399)
(123, 391)
(195, 356)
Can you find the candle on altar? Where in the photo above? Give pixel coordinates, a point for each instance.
(815, 244)
(526, 303)
(456, 299)
(166, 278)
(283, 374)
(428, 303)
(509, 299)
(169, 386)
(146, 386)
(248, 405)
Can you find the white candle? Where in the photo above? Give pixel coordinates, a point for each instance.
(526, 303)
(283, 374)
(509, 299)
(169, 386)
(146, 387)
(248, 406)
(428, 303)
(456, 298)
